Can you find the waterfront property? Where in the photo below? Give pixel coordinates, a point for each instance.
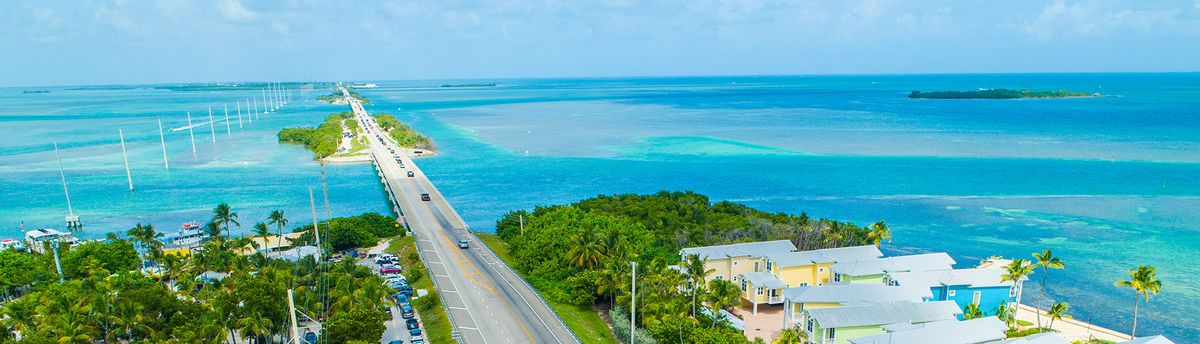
(38, 239)
(1040, 338)
(839, 325)
(980, 286)
(974, 331)
(873, 270)
(728, 261)
(799, 299)
(270, 243)
(796, 269)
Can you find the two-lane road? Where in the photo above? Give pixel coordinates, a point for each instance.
(487, 302)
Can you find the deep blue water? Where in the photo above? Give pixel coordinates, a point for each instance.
(1108, 182)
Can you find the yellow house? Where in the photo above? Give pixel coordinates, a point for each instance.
(729, 261)
(796, 269)
(798, 300)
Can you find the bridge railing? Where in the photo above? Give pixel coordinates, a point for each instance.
(514, 272)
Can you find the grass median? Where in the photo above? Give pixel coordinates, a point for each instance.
(584, 321)
(434, 322)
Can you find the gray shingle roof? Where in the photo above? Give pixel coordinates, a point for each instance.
(1040, 338)
(855, 294)
(828, 255)
(885, 313)
(940, 332)
(764, 279)
(916, 262)
(1149, 340)
(746, 249)
(978, 278)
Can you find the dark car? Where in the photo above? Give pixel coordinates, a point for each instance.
(410, 174)
(402, 299)
(416, 332)
(396, 342)
(424, 197)
(405, 290)
(417, 341)
(407, 312)
(412, 324)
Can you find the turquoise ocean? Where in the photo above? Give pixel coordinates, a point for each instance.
(1109, 182)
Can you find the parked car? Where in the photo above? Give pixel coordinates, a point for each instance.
(410, 173)
(425, 197)
(407, 312)
(402, 299)
(310, 337)
(396, 342)
(406, 290)
(417, 341)
(416, 332)
(412, 323)
(389, 270)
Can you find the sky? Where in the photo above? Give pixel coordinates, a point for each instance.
(87, 42)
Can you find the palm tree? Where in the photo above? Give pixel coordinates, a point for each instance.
(276, 218)
(1015, 272)
(223, 216)
(789, 335)
(587, 251)
(213, 230)
(1144, 282)
(879, 233)
(255, 326)
(971, 311)
(1004, 313)
(1045, 260)
(722, 294)
(697, 272)
(261, 231)
(1057, 311)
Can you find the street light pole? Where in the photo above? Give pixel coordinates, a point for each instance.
(633, 303)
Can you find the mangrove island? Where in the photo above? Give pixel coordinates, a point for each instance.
(1000, 93)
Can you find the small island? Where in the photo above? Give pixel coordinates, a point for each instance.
(339, 139)
(479, 84)
(999, 93)
(336, 98)
(35, 91)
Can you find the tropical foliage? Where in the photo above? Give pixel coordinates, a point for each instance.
(322, 141)
(998, 93)
(404, 135)
(355, 231)
(1144, 282)
(581, 254)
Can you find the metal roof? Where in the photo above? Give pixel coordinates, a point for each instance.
(828, 255)
(764, 279)
(885, 313)
(879, 266)
(746, 249)
(1040, 338)
(939, 332)
(1149, 340)
(978, 278)
(855, 294)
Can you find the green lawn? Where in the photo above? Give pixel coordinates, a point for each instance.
(434, 322)
(584, 321)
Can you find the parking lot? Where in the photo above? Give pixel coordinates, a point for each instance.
(397, 328)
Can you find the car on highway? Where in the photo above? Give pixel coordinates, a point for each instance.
(425, 197)
(411, 324)
(407, 312)
(410, 174)
(463, 243)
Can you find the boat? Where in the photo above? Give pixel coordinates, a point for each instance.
(12, 244)
(190, 234)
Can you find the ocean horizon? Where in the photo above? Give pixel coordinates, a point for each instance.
(1109, 182)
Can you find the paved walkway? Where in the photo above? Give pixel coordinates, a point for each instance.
(1070, 329)
(767, 324)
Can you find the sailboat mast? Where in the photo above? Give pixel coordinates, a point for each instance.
(190, 134)
(163, 140)
(125, 155)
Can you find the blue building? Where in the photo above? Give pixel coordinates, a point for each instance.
(979, 286)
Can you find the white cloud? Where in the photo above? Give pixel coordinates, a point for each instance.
(280, 27)
(233, 10)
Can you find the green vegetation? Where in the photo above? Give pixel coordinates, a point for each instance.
(579, 254)
(1144, 282)
(478, 84)
(107, 298)
(403, 134)
(336, 96)
(433, 318)
(999, 93)
(356, 231)
(323, 140)
(583, 320)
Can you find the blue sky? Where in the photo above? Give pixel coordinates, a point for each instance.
(150, 41)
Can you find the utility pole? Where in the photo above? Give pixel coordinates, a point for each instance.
(211, 122)
(521, 218)
(163, 140)
(325, 190)
(316, 232)
(228, 130)
(57, 263)
(633, 303)
(190, 134)
(292, 317)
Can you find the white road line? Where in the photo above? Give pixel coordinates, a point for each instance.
(450, 291)
(459, 308)
(443, 276)
(468, 328)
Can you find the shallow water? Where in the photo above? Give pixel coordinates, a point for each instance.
(1107, 182)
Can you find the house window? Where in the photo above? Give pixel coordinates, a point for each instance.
(768, 265)
(809, 325)
(743, 285)
(831, 333)
(837, 277)
(758, 291)
(821, 270)
(803, 284)
(755, 266)
(975, 298)
(950, 293)
(719, 277)
(735, 263)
